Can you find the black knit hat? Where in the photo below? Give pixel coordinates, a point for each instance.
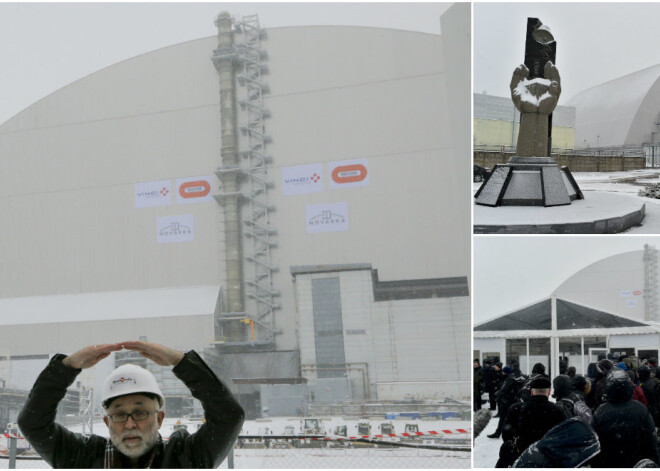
(540, 383)
(579, 383)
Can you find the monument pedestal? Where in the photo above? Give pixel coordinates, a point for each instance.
(529, 181)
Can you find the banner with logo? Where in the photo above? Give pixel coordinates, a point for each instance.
(153, 194)
(302, 179)
(175, 228)
(349, 173)
(194, 189)
(331, 217)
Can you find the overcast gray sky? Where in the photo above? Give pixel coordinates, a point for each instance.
(596, 42)
(45, 46)
(514, 271)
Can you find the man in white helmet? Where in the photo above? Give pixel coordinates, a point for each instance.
(133, 403)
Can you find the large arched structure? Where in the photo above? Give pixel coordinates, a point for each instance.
(623, 111)
(92, 248)
(609, 306)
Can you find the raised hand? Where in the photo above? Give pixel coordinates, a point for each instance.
(160, 354)
(90, 356)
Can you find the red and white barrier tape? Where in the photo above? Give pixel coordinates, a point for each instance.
(398, 435)
(7, 435)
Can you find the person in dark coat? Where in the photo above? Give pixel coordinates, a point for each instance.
(625, 428)
(506, 396)
(581, 388)
(571, 372)
(528, 423)
(133, 404)
(590, 395)
(538, 369)
(648, 386)
(638, 392)
(477, 384)
(567, 445)
(563, 388)
(600, 385)
(492, 380)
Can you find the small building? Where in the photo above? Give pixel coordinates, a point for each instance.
(496, 122)
(606, 308)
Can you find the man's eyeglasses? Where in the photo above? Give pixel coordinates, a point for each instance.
(137, 416)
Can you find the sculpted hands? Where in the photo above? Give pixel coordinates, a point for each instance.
(90, 356)
(539, 95)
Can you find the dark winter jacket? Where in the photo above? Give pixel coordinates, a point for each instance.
(492, 379)
(477, 381)
(532, 420)
(506, 395)
(563, 386)
(567, 445)
(648, 386)
(600, 385)
(61, 448)
(624, 427)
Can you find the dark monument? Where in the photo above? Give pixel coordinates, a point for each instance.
(532, 177)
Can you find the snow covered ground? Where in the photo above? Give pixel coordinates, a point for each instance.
(486, 450)
(619, 182)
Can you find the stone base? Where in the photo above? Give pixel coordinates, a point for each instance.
(599, 213)
(529, 181)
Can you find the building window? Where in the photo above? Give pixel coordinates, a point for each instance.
(515, 349)
(328, 328)
(570, 353)
(539, 352)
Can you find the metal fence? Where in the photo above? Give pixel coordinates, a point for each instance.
(280, 452)
(610, 151)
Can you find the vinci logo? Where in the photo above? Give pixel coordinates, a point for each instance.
(153, 194)
(327, 217)
(349, 173)
(194, 189)
(302, 179)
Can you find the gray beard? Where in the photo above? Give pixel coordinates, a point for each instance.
(149, 440)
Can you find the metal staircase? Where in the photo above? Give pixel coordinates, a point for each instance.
(259, 236)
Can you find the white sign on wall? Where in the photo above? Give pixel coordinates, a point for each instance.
(302, 179)
(626, 293)
(349, 173)
(194, 189)
(153, 194)
(175, 228)
(331, 217)
(631, 303)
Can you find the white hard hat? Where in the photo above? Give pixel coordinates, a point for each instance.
(130, 379)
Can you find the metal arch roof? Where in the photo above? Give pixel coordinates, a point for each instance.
(573, 319)
(619, 112)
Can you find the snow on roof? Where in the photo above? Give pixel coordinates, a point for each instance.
(594, 332)
(130, 304)
(573, 319)
(619, 112)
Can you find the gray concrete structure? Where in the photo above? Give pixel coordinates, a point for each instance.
(88, 264)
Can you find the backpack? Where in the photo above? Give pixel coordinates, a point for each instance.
(525, 390)
(515, 389)
(582, 411)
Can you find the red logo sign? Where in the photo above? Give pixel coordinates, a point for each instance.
(349, 173)
(637, 293)
(196, 189)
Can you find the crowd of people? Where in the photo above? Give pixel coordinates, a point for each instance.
(606, 418)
